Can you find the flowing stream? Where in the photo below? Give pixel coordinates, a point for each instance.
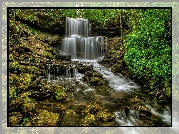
(88, 50)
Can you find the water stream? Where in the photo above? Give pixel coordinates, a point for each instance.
(90, 50)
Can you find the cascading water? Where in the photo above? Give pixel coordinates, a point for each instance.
(89, 50)
(78, 44)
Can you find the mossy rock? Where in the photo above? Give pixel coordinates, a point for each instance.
(102, 89)
(105, 116)
(89, 120)
(12, 93)
(168, 91)
(96, 74)
(28, 105)
(50, 19)
(89, 73)
(70, 118)
(96, 81)
(92, 108)
(113, 51)
(113, 69)
(46, 118)
(60, 93)
(24, 81)
(15, 118)
(144, 111)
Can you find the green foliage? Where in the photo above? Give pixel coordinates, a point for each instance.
(60, 93)
(100, 16)
(28, 104)
(148, 46)
(19, 83)
(12, 93)
(15, 64)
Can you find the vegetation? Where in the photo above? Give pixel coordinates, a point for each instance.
(60, 93)
(99, 16)
(147, 56)
(148, 46)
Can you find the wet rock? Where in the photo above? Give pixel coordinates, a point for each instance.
(89, 73)
(96, 74)
(144, 111)
(135, 100)
(102, 89)
(96, 81)
(127, 111)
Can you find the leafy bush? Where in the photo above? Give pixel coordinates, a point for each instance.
(100, 16)
(60, 93)
(148, 46)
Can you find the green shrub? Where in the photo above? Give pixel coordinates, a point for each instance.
(148, 45)
(100, 16)
(60, 93)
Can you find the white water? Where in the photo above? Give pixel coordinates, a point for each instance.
(115, 82)
(90, 50)
(78, 43)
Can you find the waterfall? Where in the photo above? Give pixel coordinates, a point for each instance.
(79, 45)
(77, 42)
(53, 72)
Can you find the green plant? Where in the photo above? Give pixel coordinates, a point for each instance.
(148, 45)
(60, 93)
(100, 16)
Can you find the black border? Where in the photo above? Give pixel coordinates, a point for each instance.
(8, 8)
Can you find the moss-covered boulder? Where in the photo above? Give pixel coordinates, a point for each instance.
(45, 118)
(96, 81)
(15, 118)
(28, 105)
(89, 120)
(84, 68)
(102, 89)
(97, 74)
(60, 93)
(89, 73)
(96, 115)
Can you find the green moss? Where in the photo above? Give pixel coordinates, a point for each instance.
(60, 93)
(15, 118)
(12, 93)
(92, 108)
(89, 120)
(47, 54)
(46, 118)
(28, 104)
(96, 81)
(24, 81)
(168, 91)
(14, 65)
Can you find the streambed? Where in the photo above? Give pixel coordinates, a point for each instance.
(96, 96)
(121, 102)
